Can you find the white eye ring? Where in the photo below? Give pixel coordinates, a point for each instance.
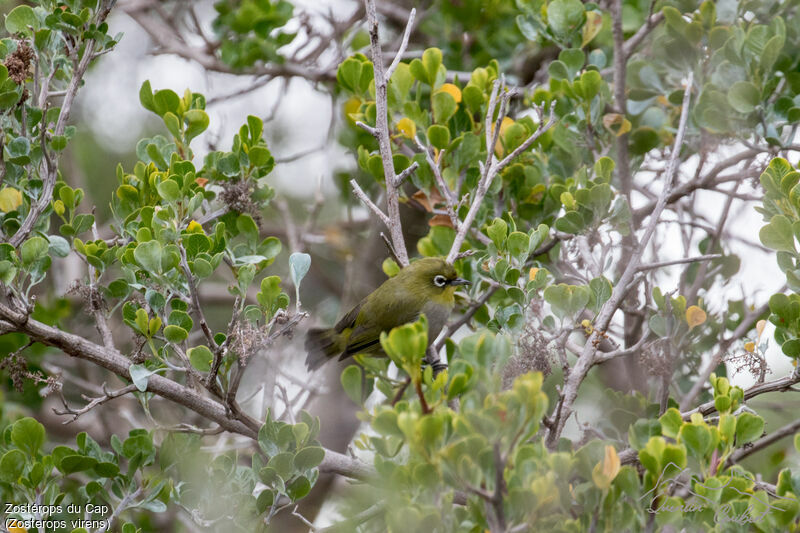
(440, 281)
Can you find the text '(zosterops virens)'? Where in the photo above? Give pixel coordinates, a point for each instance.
(425, 286)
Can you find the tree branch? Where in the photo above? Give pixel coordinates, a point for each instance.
(382, 129)
(587, 358)
(114, 361)
(492, 168)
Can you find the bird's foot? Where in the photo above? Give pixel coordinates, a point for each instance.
(438, 366)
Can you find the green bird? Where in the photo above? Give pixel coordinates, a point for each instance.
(425, 286)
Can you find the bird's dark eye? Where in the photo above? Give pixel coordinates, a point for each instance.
(440, 281)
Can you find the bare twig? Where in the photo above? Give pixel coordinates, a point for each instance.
(403, 45)
(93, 402)
(660, 264)
(359, 192)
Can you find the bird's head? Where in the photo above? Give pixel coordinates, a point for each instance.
(432, 276)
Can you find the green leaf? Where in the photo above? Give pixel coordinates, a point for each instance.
(18, 20)
(777, 234)
(743, 96)
(12, 465)
(771, 52)
(298, 488)
(444, 107)
(165, 101)
(573, 58)
(27, 434)
(77, 463)
(406, 345)
(497, 231)
(146, 96)
(558, 70)
(571, 222)
(196, 123)
(308, 458)
(33, 250)
(200, 357)
(148, 255)
(603, 168)
(282, 463)
(351, 383)
(473, 97)
(173, 124)
(175, 334)
(59, 245)
(349, 74)
(517, 245)
(438, 136)
(567, 300)
(564, 16)
(256, 126)
(259, 156)
(169, 190)
(671, 422)
(139, 375)
(431, 60)
(749, 427)
(696, 438)
(592, 82)
(643, 140)
(180, 318)
(299, 263)
(601, 291)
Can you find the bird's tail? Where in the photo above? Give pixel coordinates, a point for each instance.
(321, 345)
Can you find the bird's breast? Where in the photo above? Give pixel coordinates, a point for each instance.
(437, 315)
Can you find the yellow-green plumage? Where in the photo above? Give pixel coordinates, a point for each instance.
(425, 286)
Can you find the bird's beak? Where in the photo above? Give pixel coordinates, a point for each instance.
(460, 281)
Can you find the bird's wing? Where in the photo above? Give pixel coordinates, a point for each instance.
(349, 320)
(374, 317)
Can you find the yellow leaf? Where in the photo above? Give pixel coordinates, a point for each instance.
(750, 346)
(452, 90)
(498, 147)
(194, 227)
(532, 273)
(10, 199)
(58, 207)
(695, 316)
(594, 22)
(616, 123)
(201, 182)
(351, 107)
(606, 470)
(407, 127)
(760, 325)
